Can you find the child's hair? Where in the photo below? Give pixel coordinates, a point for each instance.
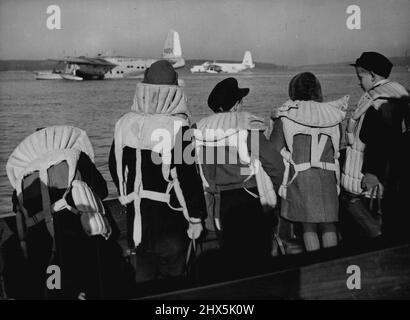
(305, 86)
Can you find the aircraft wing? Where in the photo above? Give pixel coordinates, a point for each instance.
(88, 61)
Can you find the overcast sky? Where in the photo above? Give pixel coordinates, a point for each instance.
(289, 32)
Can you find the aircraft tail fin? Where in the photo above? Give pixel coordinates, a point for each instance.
(172, 47)
(247, 60)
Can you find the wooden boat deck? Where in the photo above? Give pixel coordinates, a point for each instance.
(385, 274)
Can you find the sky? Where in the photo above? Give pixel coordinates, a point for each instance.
(284, 32)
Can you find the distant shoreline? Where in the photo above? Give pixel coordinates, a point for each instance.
(39, 65)
(26, 65)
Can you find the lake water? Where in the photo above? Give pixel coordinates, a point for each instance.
(95, 106)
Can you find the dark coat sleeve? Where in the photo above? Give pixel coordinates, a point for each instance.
(381, 131)
(277, 136)
(278, 142)
(112, 165)
(91, 175)
(375, 134)
(188, 176)
(269, 156)
(14, 201)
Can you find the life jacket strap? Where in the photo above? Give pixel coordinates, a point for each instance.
(251, 193)
(137, 196)
(321, 165)
(56, 206)
(287, 161)
(145, 194)
(178, 192)
(267, 195)
(317, 147)
(62, 204)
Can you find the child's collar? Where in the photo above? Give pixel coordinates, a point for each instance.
(379, 83)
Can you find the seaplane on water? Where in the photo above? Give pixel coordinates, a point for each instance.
(219, 67)
(114, 67)
(131, 67)
(79, 68)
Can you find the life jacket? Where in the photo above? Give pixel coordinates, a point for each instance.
(158, 113)
(37, 155)
(351, 174)
(225, 136)
(320, 120)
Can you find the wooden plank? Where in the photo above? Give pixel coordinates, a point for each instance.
(7, 215)
(385, 274)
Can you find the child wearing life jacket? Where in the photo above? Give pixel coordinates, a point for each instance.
(306, 132)
(374, 151)
(240, 172)
(57, 201)
(161, 190)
